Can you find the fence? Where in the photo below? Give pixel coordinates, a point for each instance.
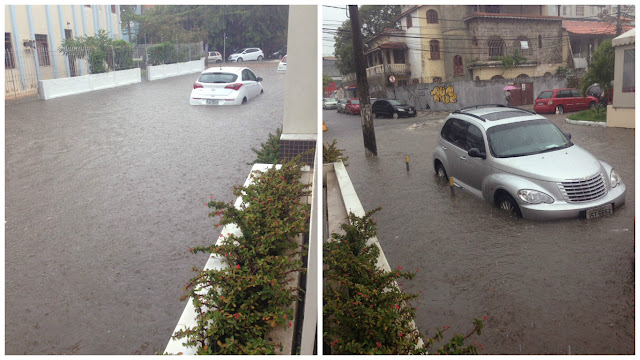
(25, 66)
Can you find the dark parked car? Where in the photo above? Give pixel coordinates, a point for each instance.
(596, 91)
(392, 108)
(562, 100)
(280, 53)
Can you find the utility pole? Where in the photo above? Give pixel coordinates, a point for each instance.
(618, 27)
(368, 131)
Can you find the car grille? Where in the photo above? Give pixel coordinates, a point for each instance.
(582, 190)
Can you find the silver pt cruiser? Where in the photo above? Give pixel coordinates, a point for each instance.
(524, 164)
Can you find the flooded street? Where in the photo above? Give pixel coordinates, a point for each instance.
(561, 287)
(105, 191)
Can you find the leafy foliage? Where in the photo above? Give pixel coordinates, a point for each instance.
(103, 53)
(263, 26)
(269, 152)
(167, 53)
(600, 69)
(510, 61)
(373, 20)
(238, 305)
(364, 310)
(332, 154)
(562, 71)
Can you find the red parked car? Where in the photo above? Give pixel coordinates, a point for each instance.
(352, 107)
(562, 100)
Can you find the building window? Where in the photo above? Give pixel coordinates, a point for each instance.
(629, 71)
(388, 56)
(522, 43)
(564, 10)
(579, 10)
(87, 6)
(496, 47)
(492, 9)
(398, 56)
(432, 17)
(458, 69)
(539, 41)
(434, 47)
(409, 21)
(9, 62)
(43, 50)
(437, 79)
(113, 9)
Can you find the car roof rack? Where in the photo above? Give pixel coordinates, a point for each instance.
(482, 105)
(469, 114)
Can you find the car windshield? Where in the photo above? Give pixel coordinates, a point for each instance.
(396, 102)
(525, 138)
(355, 102)
(240, 51)
(545, 95)
(218, 78)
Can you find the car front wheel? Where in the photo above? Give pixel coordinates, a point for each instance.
(506, 203)
(441, 173)
(239, 60)
(395, 115)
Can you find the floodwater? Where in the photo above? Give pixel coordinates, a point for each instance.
(560, 287)
(105, 191)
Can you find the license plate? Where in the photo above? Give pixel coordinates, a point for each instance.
(214, 102)
(599, 211)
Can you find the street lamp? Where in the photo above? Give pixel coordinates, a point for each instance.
(224, 46)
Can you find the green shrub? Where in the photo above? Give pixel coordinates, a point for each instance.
(238, 305)
(165, 53)
(332, 154)
(590, 115)
(269, 152)
(364, 311)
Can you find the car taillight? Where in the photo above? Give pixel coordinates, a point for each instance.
(233, 86)
(283, 59)
(196, 85)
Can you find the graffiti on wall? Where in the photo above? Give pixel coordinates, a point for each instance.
(445, 95)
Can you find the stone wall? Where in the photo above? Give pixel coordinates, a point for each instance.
(459, 94)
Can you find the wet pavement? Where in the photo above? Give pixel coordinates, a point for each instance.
(561, 287)
(105, 191)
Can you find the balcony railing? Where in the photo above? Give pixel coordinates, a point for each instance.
(390, 69)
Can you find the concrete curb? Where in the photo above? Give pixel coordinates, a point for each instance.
(585, 123)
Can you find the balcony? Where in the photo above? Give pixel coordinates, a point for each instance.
(397, 69)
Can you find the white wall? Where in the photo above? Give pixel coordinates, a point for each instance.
(53, 88)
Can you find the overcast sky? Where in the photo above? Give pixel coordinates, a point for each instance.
(331, 18)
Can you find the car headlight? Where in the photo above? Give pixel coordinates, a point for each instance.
(401, 110)
(614, 178)
(534, 196)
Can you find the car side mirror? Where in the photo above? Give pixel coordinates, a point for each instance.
(259, 79)
(475, 152)
(567, 135)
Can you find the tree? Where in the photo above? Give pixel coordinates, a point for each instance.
(245, 26)
(600, 69)
(373, 19)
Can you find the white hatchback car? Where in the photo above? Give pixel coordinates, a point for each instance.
(247, 54)
(282, 66)
(225, 86)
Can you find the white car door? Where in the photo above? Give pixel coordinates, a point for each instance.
(249, 84)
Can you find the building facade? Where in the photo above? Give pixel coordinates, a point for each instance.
(622, 112)
(33, 34)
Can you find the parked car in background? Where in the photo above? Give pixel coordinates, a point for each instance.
(352, 107)
(562, 100)
(596, 91)
(214, 57)
(247, 54)
(329, 103)
(280, 53)
(340, 106)
(282, 65)
(524, 164)
(392, 108)
(226, 86)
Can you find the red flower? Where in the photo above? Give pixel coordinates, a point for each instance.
(211, 197)
(397, 274)
(289, 324)
(371, 305)
(485, 318)
(237, 266)
(378, 344)
(400, 267)
(285, 316)
(359, 293)
(334, 343)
